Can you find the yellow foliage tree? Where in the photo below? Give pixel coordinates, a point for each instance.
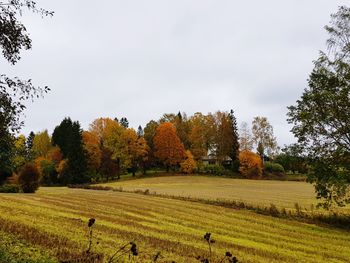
(127, 148)
(188, 166)
(41, 144)
(197, 136)
(19, 158)
(109, 133)
(250, 164)
(92, 148)
(102, 127)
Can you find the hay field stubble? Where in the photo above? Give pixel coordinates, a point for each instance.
(55, 219)
(283, 194)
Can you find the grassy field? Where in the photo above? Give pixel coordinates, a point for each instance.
(54, 220)
(283, 194)
(13, 250)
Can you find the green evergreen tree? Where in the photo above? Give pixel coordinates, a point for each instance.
(6, 154)
(227, 144)
(29, 145)
(234, 153)
(68, 136)
(140, 132)
(124, 122)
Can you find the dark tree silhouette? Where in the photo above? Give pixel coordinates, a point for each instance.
(13, 91)
(68, 136)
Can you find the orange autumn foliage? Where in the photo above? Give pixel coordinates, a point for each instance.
(250, 164)
(55, 155)
(92, 148)
(38, 161)
(168, 147)
(137, 147)
(62, 167)
(189, 165)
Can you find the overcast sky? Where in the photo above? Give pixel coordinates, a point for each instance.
(140, 59)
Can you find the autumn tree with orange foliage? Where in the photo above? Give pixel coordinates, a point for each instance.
(168, 147)
(137, 149)
(48, 166)
(250, 164)
(189, 165)
(55, 155)
(92, 149)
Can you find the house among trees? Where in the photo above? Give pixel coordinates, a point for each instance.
(211, 158)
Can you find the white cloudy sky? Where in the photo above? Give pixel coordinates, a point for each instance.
(141, 59)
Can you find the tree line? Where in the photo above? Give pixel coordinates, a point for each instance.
(210, 143)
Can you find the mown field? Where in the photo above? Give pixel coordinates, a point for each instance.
(54, 221)
(283, 194)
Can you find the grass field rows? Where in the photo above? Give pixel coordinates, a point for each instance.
(54, 219)
(283, 194)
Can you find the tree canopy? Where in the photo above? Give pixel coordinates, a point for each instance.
(321, 116)
(263, 136)
(68, 137)
(168, 146)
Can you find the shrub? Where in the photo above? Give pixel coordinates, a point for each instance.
(47, 170)
(213, 169)
(188, 166)
(10, 188)
(13, 179)
(29, 177)
(273, 168)
(4, 175)
(250, 164)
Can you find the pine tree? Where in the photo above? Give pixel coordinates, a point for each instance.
(140, 132)
(124, 122)
(68, 136)
(234, 153)
(6, 154)
(29, 145)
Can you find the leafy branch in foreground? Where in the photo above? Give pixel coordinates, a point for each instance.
(14, 92)
(13, 34)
